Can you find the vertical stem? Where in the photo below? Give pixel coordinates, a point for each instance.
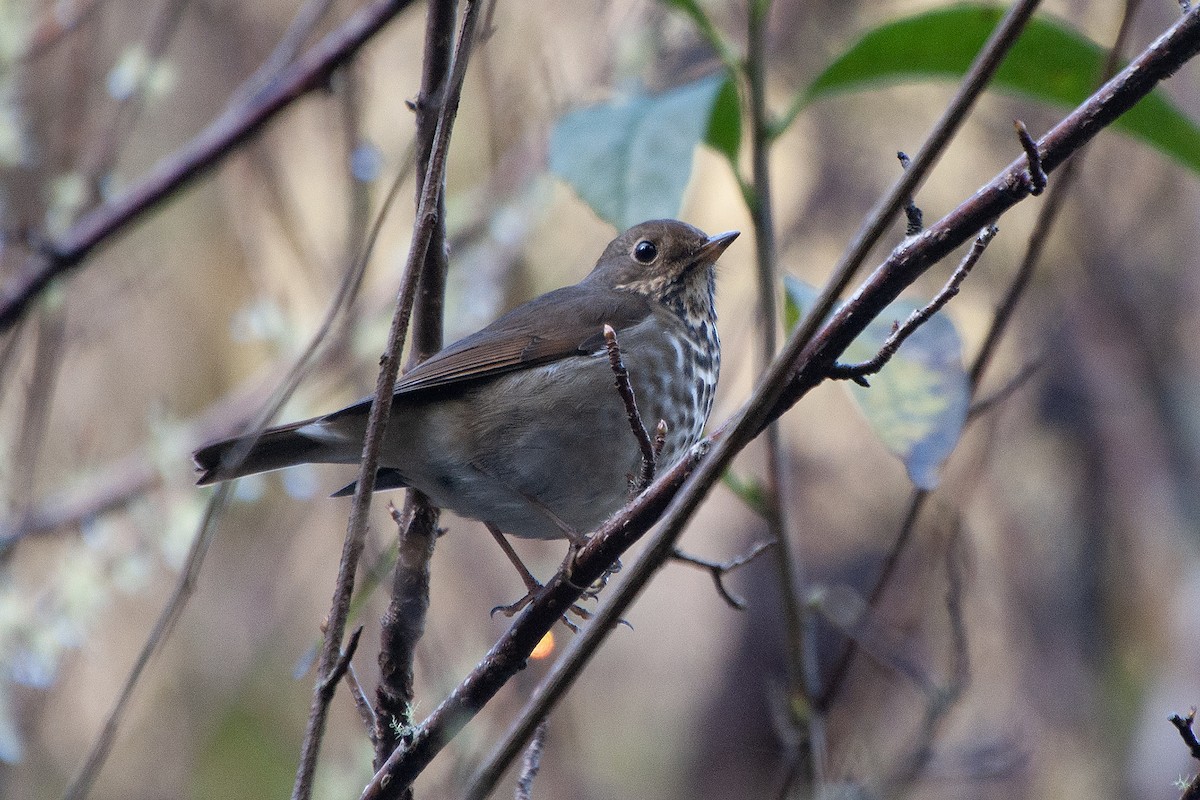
(404, 622)
(800, 639)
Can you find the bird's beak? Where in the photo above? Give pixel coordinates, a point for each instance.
(711, 250)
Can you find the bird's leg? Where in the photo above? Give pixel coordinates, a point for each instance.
(532, 585)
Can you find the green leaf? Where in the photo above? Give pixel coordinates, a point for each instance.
(725, 124)
(631, 159)
(917, 404)
(1051, 63)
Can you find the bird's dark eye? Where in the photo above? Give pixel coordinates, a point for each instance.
(645, 251)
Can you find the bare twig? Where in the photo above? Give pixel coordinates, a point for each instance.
(880, 216)
(531, 764)
(1022, 376)
(1003, 315)
(800, 651)
(625, 389)
(1036, 175)
(912, 213)
(858, 372)
(423, 231)
(718, 569)
(801, 365)
(329, 683)
(404, 623)
(941, 700)
(82, 784)
(361, 702)
(1184, 726)
(207, 149)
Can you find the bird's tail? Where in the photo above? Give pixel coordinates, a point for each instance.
(306, 442)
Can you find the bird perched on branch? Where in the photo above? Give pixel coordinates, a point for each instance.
(520, 424)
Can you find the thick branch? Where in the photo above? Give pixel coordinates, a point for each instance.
(791, 375)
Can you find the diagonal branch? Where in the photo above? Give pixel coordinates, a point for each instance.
(206, 150)
(800, 366)
(423, 232)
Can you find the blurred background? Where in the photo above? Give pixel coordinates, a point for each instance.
(1068, 517)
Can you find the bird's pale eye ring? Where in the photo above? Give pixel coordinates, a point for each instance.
(645, 251)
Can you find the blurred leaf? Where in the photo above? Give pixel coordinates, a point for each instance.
(248, 755)
(1051, 63)
(749, 490)
(725, 125)
(917, 404)
(631, 159)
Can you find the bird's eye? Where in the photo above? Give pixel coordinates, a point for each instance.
(645, 251)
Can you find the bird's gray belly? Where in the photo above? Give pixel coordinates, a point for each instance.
(536, 450)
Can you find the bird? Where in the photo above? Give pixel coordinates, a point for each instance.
(520, 425)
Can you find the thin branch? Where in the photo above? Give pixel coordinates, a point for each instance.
(1184, 726)
(329, 683)
(531, 764)
(858, 372)
(941, 700)
(1000, 320)
(801, 365)
(912, 213)
(423, 232)
(186, 584)
(980, 407)
(800, 645)
(361, 702)
(404, 622)
(719, 569)
(881, 215)
(625, 389)
(203, 152)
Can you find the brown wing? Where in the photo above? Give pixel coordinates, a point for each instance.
(566, 322)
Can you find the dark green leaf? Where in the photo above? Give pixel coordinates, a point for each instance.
(725, 124)
(1050, 63)
(631, 159)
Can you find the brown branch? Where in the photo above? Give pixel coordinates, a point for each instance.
(404, 622)
(858, 372)
(202, 153)
(719, 569)
(800, 642)
(800, 366)
(330, 681)
(361, 702)
(649, 448)
(423, 232)
(912, 213)
(1184, 726)
(531, 764)
(79, 788)
(1048, 215)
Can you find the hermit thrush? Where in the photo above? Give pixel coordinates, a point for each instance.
(520, 425)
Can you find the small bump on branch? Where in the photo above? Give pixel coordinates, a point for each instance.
(1036, 176)
(916, 219)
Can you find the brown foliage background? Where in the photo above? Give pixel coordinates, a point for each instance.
(1074, 500)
